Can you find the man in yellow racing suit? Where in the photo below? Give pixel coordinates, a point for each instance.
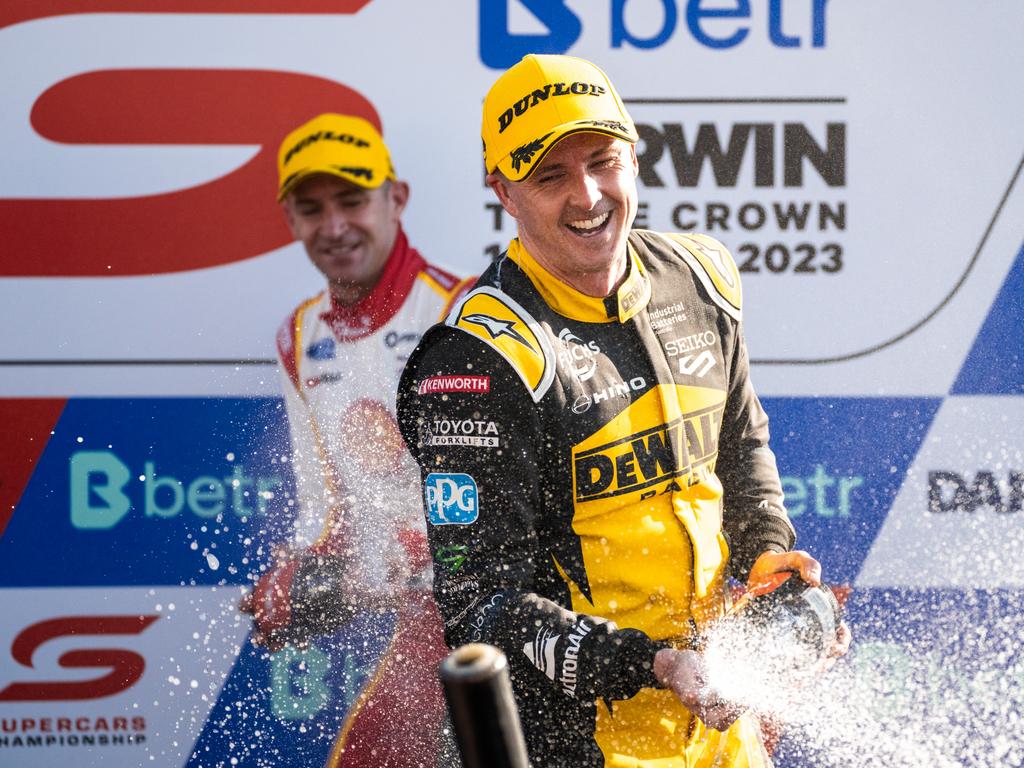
(594, 458)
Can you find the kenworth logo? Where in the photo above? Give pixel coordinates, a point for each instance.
(785, 23)
(648, 458)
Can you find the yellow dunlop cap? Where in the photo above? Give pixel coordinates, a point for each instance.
(541, 100)
(345, 146)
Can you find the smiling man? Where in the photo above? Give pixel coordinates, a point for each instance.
(357, 555)
(610, 470)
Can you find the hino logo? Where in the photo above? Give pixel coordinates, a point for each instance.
(618, 389)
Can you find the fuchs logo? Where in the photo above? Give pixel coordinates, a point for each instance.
(542, 651)
(785, 25)
(578, 356)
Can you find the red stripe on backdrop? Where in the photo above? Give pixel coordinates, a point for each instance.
(229, 219)
(27, 425)
(15, 11)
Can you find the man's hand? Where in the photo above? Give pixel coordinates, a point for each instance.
(684, 673)
(772, 568)
(305, 597)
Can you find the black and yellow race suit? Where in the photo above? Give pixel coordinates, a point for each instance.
(588, 464)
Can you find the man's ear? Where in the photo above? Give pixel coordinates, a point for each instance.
(289, 216)
(398, 194)
(636, 165)
(500, 185)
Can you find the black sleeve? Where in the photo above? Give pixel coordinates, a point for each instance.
(479, 454)
(754, 518)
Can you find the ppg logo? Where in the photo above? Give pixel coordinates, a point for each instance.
(452, 499)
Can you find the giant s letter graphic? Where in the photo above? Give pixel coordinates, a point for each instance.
(125, 667)
(218, 222)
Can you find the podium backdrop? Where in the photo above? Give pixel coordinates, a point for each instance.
(860, 158)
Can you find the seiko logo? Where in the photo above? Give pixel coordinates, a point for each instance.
(619, 389)
(692, 343)
(471, 432)
(541, 94)
(648, 458)
(578, 356)
(571, 659)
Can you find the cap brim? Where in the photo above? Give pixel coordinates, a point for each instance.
(357, 178)
(524, 160)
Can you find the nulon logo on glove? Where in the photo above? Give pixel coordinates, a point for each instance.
(451, 498)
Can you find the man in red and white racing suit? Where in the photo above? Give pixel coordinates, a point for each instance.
(359, 542)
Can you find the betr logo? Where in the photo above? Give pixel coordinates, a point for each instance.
(787, 24)
(500, 48)
(100, 499)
